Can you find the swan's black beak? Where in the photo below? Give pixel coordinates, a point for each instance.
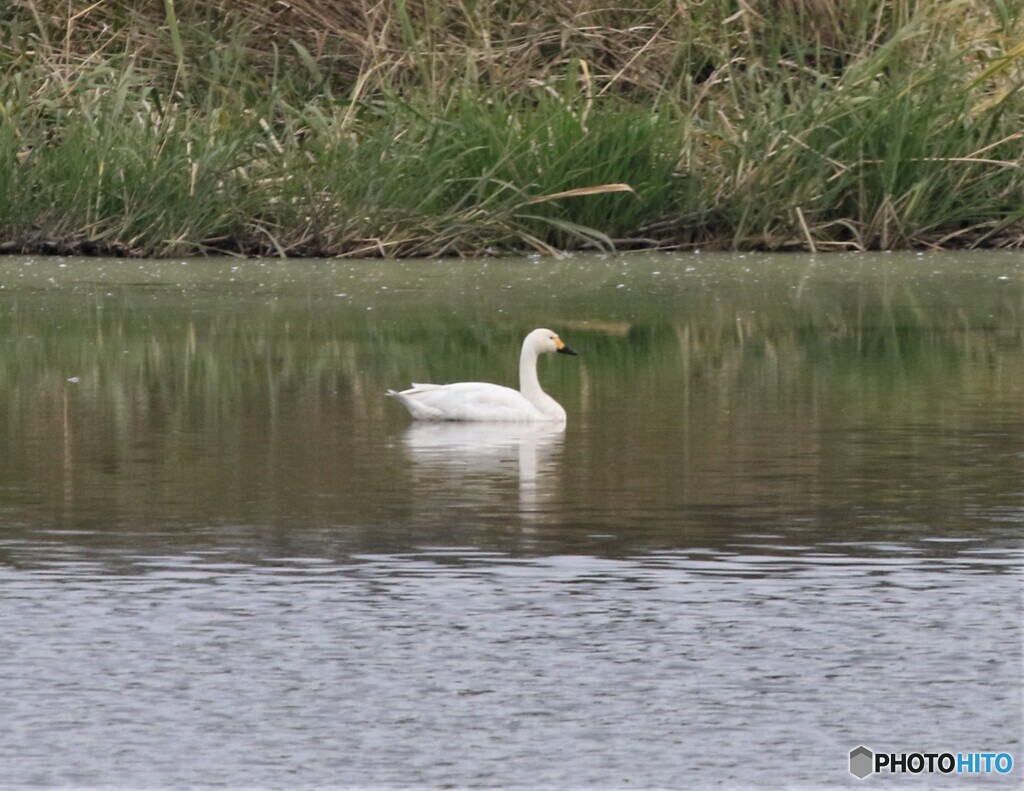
(563, 349)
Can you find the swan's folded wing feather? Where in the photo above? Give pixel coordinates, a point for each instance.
(467, 401)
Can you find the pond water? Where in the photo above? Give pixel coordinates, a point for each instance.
(784, 519)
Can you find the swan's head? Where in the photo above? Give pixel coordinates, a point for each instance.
(545, 342)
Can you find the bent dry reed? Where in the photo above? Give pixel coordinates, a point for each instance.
(413, 128)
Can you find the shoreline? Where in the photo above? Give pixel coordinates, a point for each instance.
(88, 249)
(250, 249)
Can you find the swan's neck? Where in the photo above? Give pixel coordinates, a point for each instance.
(529, 384)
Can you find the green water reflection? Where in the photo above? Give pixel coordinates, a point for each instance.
(841, 398)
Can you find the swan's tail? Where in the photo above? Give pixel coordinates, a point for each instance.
(416, 408)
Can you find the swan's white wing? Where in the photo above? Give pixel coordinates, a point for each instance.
(467, 401)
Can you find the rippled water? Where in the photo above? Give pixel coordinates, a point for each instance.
(784, 519)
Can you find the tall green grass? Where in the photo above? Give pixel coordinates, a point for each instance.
(415, 128)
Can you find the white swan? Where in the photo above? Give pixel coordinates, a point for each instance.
(488, 402)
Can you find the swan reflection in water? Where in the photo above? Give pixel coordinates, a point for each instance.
(485, 465)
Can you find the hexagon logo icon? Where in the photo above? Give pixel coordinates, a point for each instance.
(862, 762)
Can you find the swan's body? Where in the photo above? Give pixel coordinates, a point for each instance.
(483, 401)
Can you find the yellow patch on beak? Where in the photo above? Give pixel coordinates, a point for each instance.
(559, 343)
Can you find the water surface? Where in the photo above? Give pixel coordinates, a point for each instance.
(784, 519)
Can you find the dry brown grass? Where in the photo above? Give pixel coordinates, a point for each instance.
(358, 45)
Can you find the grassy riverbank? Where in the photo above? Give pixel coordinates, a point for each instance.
(339, 127)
